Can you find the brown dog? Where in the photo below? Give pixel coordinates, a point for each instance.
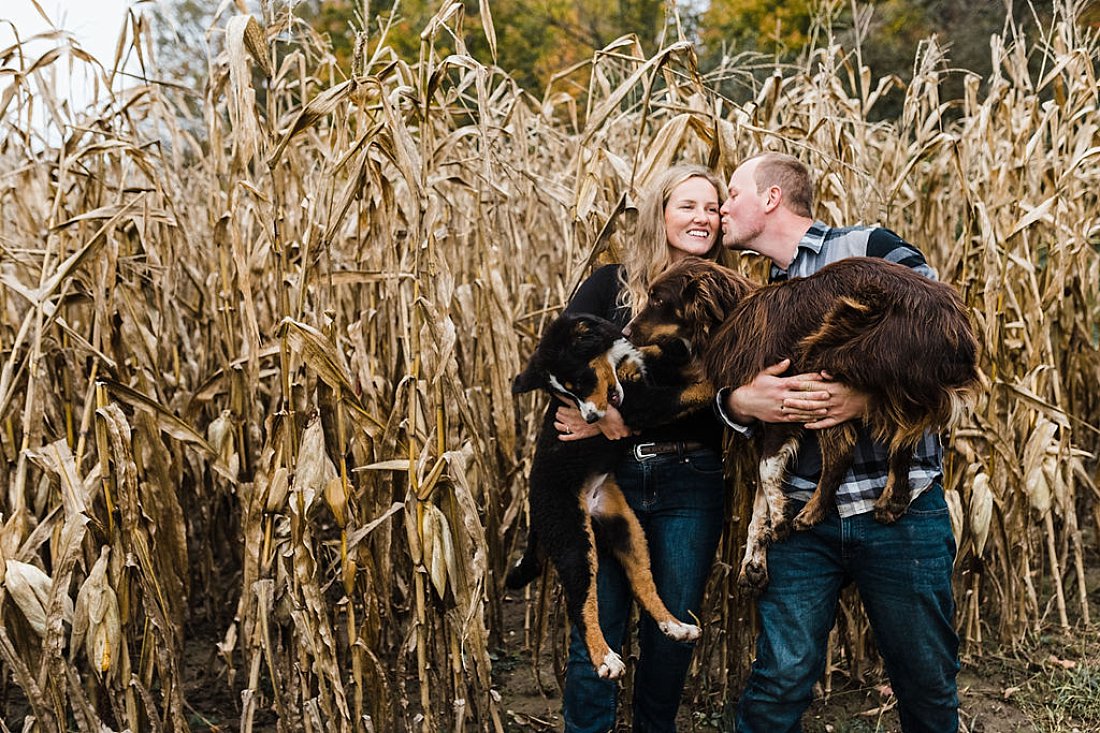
(903, 340)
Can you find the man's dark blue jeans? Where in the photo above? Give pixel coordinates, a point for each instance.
(903, 574)
(679, 501)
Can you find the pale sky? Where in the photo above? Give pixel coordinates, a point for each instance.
(95, 24)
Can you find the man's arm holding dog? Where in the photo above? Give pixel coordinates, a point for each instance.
(813, 398)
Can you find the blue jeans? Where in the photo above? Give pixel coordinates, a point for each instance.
(679, 502)
(903, 574)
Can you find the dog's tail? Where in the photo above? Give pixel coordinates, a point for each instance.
(528, 568)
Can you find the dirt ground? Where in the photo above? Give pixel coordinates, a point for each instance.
(1052, 686)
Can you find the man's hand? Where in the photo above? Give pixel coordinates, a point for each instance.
(571, 426)
(844, 403)
(812, 398)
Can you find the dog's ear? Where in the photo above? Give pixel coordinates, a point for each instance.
(699, 305)
(717, 293)
(526, 381)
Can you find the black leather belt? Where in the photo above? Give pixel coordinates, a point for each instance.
(643, 451)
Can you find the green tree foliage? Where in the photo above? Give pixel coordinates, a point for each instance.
(537, 39)
(780, 29)
(887, 32)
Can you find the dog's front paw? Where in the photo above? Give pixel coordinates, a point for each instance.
(612, 667)
(753, 577)
(806, 519)
(678, 631)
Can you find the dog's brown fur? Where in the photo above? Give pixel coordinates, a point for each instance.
(902, 339)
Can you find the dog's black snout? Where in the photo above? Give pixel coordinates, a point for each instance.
(591, 418)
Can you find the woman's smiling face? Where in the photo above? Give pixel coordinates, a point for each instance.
(692, 220)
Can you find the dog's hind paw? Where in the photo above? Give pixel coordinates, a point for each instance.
(612, 668)
(678, 631)
(753, 577)
(804, 520)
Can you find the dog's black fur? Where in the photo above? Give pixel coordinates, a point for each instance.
(587, 360)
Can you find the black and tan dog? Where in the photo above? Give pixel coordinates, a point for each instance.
(574, 500)
(903, 340)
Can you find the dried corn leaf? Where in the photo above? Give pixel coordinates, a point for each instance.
(29, 587)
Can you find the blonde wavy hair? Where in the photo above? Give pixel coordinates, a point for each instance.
(647, 255)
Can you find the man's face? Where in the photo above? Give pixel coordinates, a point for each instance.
(743, 212)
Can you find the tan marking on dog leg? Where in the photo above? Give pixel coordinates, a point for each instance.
(635, 561)
(772, 470)
(593, 497)
(700, 394)
(608, 664)
(754, 565)
(630, 371)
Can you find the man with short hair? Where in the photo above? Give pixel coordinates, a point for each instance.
(903, 570)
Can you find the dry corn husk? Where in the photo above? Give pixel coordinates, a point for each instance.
(220, 436)
(981, 511)
(96, 622)
(315, 469)
(1036, 483)
(278, 488)
(1054, 471)
(439, 553)
(336, 497)
(955, 511)
(29, 587)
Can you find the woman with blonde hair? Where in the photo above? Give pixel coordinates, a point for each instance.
(670, 475)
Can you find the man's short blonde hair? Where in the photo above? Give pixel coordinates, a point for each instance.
(791, 176)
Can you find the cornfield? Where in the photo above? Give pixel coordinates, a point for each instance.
(257, 363)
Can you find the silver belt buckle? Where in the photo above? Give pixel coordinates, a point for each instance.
(639, 455)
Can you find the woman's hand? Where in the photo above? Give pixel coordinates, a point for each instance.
(571, 426)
